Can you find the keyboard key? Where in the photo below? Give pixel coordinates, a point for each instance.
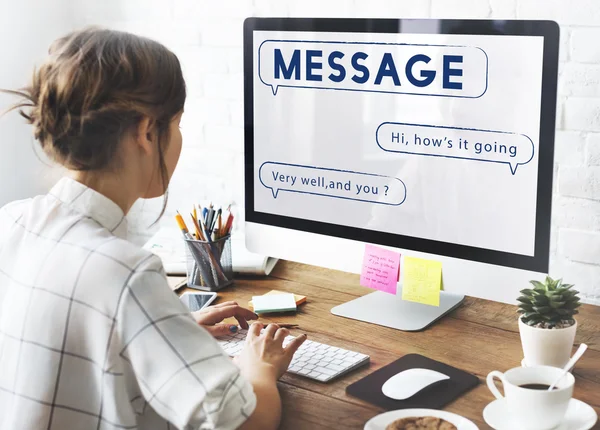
(314, 374)
(323, 378)
(325, 371)
(334, 367)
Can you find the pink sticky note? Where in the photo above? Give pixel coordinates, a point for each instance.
(380, 269)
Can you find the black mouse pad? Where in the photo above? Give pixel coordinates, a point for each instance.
(434, 396)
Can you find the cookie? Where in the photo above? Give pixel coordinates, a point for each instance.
(420, 423)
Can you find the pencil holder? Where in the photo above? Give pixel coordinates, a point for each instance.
(209, 266)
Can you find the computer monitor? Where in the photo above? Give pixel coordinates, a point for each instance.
(433, 137)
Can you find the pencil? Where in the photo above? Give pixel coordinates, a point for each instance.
(224, 227)
(287, 325)
(282, 325)
(197, 227)
(229, 224)
(219, 223)
(181, 224)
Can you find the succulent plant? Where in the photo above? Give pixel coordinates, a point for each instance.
(551, 304)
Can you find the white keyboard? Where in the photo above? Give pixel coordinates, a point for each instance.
(313, 360)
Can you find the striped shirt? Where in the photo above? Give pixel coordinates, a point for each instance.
(91, 336)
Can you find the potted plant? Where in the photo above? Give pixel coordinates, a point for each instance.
(547, 324)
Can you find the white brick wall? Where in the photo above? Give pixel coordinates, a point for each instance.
(580, 246)
(584, 45)
(593, 150)
(207, 37)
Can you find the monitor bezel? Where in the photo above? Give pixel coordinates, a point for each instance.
(549, 30)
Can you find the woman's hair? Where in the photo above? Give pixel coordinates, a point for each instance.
(95, 86)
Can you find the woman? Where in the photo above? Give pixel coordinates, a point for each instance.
(91, 336)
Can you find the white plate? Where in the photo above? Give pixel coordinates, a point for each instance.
(381, 421)
(579, 416)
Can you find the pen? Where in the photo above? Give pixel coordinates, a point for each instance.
(205, 230)
(218, 221)
(209, 218)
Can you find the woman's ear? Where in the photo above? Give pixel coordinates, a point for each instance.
(146, 134)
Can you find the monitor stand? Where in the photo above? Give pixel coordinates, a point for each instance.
(391, 311)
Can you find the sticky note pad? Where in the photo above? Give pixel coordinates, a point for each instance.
(274, 303)
(422, 281)
(380, 269)
(299, 299)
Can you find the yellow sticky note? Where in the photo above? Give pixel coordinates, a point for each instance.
(422, 281)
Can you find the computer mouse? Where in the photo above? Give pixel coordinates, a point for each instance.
(409, 382)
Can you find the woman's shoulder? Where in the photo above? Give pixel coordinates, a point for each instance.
(15, 208)
(130, 256)
(11, 213)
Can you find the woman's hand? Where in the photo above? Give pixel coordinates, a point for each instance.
(210, 318)
(263, 355)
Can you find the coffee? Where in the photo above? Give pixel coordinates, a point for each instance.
(527, 386)
(542, 387)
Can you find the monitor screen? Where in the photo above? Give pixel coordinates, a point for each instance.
(431, 135)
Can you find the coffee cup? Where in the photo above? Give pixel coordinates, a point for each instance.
(529, 403)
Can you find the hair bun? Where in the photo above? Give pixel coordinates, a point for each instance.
(95, 85)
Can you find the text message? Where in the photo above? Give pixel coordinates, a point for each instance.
(432, 70)
(452, 142)
(342, 184)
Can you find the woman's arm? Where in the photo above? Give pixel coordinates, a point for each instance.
(267, 414)
(262, 362)
(182, 371)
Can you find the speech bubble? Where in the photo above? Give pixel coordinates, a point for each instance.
(397, 68)
(340, 184)
(453, 142)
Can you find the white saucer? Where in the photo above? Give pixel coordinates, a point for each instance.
(579, 416)
(381, 421)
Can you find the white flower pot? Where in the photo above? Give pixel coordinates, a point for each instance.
(547, 347)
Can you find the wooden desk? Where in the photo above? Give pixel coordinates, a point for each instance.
(479, 337)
